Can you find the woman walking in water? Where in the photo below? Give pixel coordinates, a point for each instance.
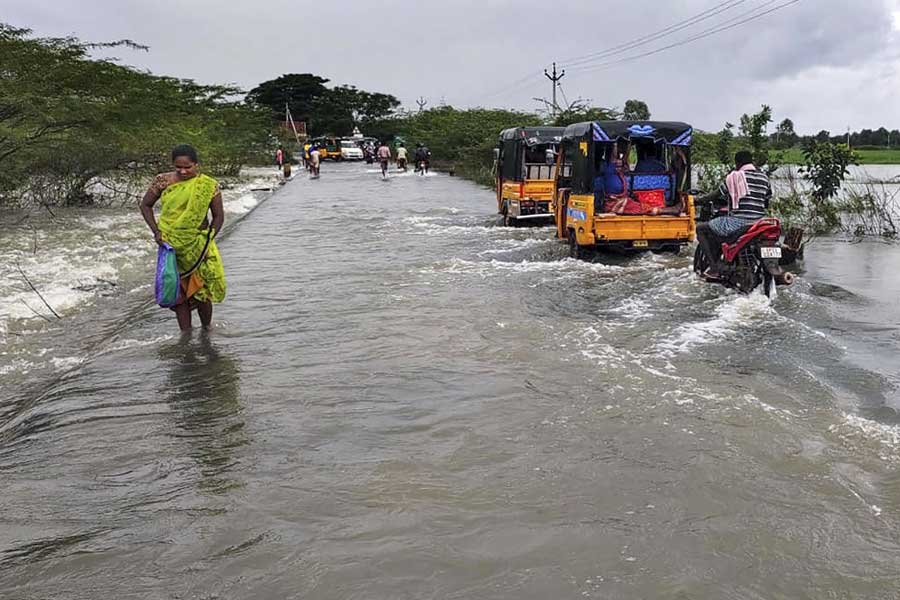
(186, 198)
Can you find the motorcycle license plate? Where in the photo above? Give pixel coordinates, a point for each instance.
(639, 244)
(770, 252)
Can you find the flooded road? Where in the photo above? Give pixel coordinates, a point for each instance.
(401, 400)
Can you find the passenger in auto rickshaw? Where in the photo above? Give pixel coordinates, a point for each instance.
(647, 158)
(611, 185)
(613, 194)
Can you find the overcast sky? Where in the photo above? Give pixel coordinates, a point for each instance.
(826, 64)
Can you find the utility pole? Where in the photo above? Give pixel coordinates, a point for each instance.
(555, 79)
(421, 102)
(848, 137)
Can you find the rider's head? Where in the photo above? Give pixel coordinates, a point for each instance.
(418, 144)
(743, 157)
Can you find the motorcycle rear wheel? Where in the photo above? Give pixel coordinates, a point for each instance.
(748, 272)
(701, 261)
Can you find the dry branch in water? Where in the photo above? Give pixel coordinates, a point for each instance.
(34, 289)
(36, 313)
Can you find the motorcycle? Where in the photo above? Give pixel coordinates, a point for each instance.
(750, 260)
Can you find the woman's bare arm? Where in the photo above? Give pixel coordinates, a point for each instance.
(150, 198)
(218, 213)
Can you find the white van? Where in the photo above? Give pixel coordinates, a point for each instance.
(350, 150)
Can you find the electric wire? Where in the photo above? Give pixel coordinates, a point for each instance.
(731, 23)
(705, 34)
(699, 17)
(652, 37)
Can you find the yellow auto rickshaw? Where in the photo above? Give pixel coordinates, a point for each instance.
(606, 202)
(525, 165)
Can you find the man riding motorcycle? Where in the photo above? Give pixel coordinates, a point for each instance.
(422, 157)
(748, 192)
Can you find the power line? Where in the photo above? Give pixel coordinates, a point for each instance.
(650, 37)
(514, 85)
(705, 34)
(699, 17)
(583, 63)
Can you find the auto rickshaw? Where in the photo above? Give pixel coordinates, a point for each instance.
(525, 160)
(606, 202)
(329, 147)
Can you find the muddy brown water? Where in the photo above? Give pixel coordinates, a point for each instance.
(401, 400)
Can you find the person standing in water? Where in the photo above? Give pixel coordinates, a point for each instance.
(384, 157)
(187, 197)
(314, 159)
(401, 157)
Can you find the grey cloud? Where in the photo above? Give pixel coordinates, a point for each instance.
(466, 49)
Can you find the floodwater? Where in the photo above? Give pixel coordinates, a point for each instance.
(401, 400)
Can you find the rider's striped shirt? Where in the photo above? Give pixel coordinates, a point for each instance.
(755, 192)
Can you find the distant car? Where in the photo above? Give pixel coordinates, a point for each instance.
(350, 150)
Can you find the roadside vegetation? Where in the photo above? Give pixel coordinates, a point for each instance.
(76, 130)
(68, 120)
(820, 201)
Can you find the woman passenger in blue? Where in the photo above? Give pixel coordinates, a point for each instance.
(610, 183)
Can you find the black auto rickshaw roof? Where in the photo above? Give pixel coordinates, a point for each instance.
(533, 136)
(670, 132)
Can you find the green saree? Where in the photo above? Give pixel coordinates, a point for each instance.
(184, 206)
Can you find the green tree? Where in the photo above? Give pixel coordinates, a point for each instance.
(785, 136)
(825, 168)
(374, 106)
(67, 118)
(636, 110)
(725, 145)
(823, 136)
(344, 107)
(580, 113)
(299, 91)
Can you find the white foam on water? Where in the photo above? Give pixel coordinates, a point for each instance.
(57, 277)
(106, 222)
(768, 408)
(507, 246)
(241, 205)
(856, 431)
(736, 312)
(425, 225)
(633, 310)
(17, 365)
(459, 266)
(132, 343)
(66, 363)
